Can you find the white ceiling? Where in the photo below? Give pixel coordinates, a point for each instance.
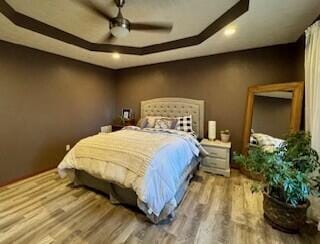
(268, 22)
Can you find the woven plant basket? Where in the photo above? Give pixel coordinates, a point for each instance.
(282, 216)
(251, 175)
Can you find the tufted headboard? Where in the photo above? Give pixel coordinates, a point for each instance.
(176, 107)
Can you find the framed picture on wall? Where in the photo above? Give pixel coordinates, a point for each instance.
(126, 113)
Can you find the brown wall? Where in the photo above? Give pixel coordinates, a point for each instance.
(271, 116)
(220, 80)
(46, 102)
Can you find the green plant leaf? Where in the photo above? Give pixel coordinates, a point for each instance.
(287, 169)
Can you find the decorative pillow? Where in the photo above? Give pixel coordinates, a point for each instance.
(151, 121)
(165, 123)
(184, 123)
(142, 123)
(253, 140)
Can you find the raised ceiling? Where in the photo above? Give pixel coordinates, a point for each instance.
(77, 20)
(60, 31)
(266, 23)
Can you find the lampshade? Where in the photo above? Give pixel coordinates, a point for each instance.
(119, 31)
(212, 130)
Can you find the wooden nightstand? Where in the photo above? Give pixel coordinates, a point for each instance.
(218, 160)
(119, 126)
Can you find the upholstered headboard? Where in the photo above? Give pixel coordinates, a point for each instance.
(176, 107)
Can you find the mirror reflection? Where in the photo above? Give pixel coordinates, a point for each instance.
(271, 119)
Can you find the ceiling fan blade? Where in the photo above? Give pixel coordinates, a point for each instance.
(161, 26)
(89, 5)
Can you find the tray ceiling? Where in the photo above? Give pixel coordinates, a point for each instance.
(266, 23)
(58, 31)
(77, 20)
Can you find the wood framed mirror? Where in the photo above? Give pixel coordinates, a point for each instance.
(283, 100)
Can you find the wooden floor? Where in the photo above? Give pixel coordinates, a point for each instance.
(47, 209)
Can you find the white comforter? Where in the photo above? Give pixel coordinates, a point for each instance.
(149, 161)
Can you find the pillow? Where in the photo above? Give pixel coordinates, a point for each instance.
(142, 123)
(184, 123)
(151, 121)
(165, 123)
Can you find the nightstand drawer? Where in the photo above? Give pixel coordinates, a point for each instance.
(217, 152)
(215, 162)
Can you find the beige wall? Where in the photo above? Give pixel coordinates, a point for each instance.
(220, 80)
(46, 102)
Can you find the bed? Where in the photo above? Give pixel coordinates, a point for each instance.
(146, 168)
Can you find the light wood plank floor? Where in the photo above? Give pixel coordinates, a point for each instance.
(47, 209)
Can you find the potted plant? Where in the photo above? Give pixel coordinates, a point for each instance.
(288, 182)
(122, 120)
(252, 164)
(225, 135)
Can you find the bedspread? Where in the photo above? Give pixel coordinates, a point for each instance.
(150, 161)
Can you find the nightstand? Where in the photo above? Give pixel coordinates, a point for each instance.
(119, 126)
(218, 160)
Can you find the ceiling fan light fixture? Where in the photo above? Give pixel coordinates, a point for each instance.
(119, 27)
(119, 31)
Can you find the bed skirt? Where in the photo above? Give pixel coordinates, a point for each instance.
(126, 196)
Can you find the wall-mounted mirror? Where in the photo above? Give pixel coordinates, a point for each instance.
(272, 111)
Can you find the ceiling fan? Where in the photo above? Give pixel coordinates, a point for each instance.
(120, 26)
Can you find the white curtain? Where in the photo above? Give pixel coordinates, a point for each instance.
(312, 97)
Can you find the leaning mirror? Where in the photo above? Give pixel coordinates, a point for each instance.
(272, 111)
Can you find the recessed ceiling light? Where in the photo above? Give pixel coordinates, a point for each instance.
(230, 31)
(116, 55)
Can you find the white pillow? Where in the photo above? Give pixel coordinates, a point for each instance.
(165, 123)
(152, 121)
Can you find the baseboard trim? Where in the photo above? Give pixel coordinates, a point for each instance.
(10, 182)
